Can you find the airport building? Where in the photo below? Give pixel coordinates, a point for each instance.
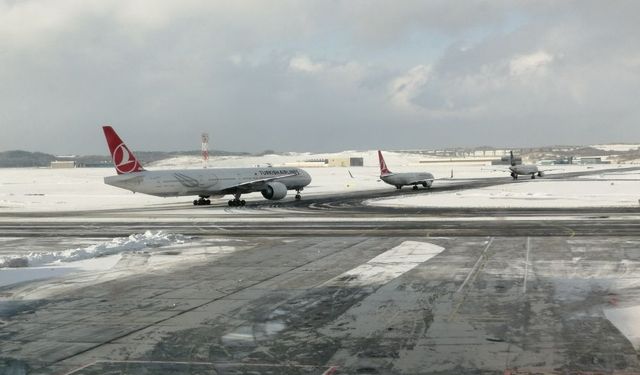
(329, 162)
(60, 164)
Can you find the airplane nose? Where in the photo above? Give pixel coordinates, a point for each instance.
(307, 178)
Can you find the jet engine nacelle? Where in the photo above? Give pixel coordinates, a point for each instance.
(275, 191)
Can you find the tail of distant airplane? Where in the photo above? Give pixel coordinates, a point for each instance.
(512, 160)
(383, 166)
(123, 158)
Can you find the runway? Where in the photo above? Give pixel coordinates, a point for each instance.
(332, 285)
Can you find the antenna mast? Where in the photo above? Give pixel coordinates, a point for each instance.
(205, 149)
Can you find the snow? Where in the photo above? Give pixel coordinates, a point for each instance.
(79, 189)
(627, 321)
(537, 193)
(62, 276)
(388, 265)
(134, 242)
(19, 275)
(41, 190)
(617, 147)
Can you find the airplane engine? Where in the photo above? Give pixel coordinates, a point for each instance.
(275, 191)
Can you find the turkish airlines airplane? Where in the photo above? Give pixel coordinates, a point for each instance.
(523, 169)
(402, 179)
(273, 183)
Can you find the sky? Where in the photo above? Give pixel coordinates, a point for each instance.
(319, 75)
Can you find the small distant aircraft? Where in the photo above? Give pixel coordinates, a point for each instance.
(523, 169)
(403, 179)
(273, 183)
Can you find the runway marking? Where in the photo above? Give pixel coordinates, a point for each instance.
(475, 266)
(473, 273)
(570, 232)
(388, 265)
(526, 266)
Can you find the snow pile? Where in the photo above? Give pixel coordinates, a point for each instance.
(134, 242)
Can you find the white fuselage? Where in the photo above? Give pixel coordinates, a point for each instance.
(524, 169)
(409, 178)
(206, 182)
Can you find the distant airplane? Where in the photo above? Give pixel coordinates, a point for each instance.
(403, 179)
(523, 169)
(273, 183)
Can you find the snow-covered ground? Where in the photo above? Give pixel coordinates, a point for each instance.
(108, 260)
(134, 242)
(614, 189)
(617, 147)
(44, 189)
(82, 189)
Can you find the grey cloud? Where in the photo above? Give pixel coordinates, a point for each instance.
(162, 74)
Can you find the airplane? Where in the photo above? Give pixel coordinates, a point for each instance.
(402, 179)
(523, 169)
(273, 183)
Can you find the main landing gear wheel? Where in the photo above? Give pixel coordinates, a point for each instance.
(202, 201)
(398, 187)
(533, 176)
(415, 187)
(514, 175)
(298, 196)
(236, 201)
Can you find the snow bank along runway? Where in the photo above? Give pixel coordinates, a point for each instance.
(326, 285)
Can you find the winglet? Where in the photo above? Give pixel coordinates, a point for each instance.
(383, 166)
(123, 159)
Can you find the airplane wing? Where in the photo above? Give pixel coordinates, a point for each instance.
(504, 169)
(254, 185)
(549, 170)
(420, 181)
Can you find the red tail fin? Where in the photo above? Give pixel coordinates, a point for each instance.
(383, 166)
(123, 158)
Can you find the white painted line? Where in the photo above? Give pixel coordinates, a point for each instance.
(475, 266)
(388, 265)
(526, 266)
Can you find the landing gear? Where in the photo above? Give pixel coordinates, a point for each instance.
(236, 201)
(298, 196)
(202, 201)
(533, 176)
(514, 175)
(415, 187)
(398, 187)
(425, 185)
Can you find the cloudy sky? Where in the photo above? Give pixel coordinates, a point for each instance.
(317, 75)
